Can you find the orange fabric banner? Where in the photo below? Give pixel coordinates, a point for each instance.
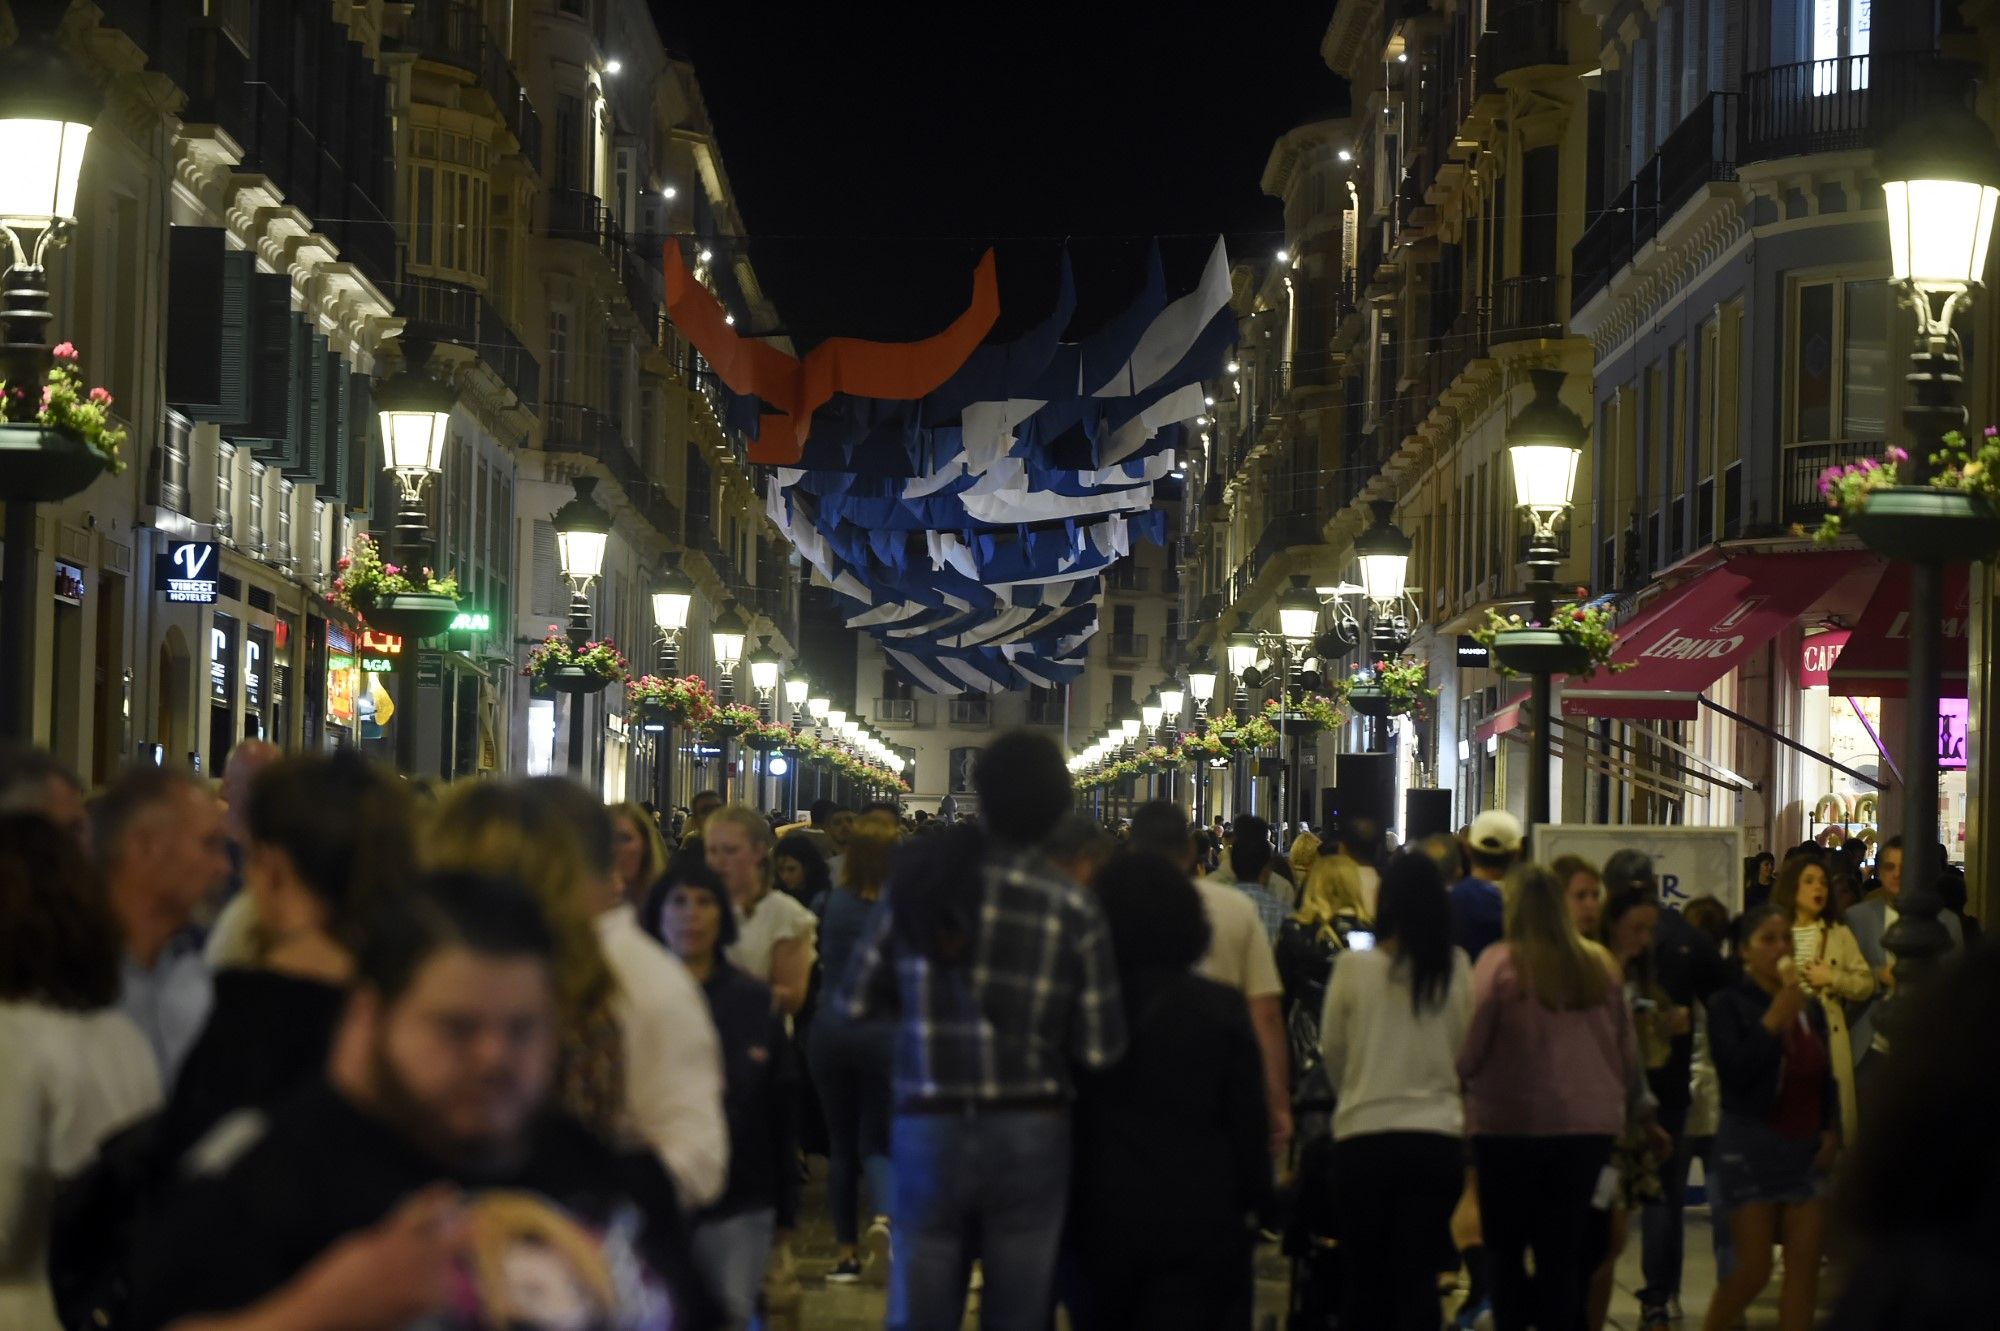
(795, 388)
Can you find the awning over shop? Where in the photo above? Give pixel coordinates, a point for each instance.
(1692, 637)
(1876, 659)
(1505, 718)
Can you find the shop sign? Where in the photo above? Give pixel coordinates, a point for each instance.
(430, 670)
(343, 679)
(69, 583)
(1817, 655)
(253, 672)
(1954, 715)
(222, 659)
(187, 572)
(1472, 653)
(380, 644)
(471, 621)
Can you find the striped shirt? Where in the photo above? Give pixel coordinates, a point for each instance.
(1038, 997)
(1269, 909)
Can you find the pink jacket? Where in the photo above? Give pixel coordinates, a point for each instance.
(1532, 1072)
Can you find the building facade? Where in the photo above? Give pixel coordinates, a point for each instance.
(280, 205)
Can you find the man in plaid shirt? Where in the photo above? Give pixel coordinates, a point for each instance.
(1000, 976)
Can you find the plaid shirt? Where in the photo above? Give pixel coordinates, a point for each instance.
(1269, 910)
(1040, 994)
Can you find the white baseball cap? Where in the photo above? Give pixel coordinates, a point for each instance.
(1495, 832)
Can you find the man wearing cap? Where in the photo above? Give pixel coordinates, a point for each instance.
(1477, 917)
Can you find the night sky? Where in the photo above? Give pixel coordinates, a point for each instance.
(876, 149)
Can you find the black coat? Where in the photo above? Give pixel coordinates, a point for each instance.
(1750, 1061)
(1174, 1139)
(761, 1084)
(1690, 971)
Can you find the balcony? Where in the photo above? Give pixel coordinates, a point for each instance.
(1701, 150)
(1045, 709)
(1526, 309)
(1209, 608)
(450, 32)
(1822, 106)
(1285, 531)
(1521, 34)
(971, 711)
(895, 711)
(573, 428)
(576, 214)
(1799, 468)
(1131, 647)
(463, 316)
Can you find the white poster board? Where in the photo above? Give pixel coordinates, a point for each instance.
(1690, 861)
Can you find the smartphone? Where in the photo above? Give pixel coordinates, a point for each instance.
(1360, 940)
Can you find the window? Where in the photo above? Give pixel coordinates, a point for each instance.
(174, 463)
(286, 491)
(1840, 361)
(1121, 621)
(558, 384)
(448, 191)
(895, 688)
(1840, 28)
(1121, 695)
(255, 488)
(568, 173)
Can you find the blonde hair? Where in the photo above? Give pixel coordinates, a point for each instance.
(1331, 890)
(1303, 855)
(503, 828)
(754, 826)
(498, 1222)
(1565, 971)
(649, 832)
(865, 865)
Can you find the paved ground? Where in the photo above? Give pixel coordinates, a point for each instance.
(859, 1308)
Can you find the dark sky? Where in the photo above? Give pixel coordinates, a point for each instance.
(876, 148)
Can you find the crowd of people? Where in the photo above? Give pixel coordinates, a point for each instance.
(314, 1047)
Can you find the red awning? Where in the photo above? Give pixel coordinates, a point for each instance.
(1506, 718)
(1679, 647)
(1876, 660)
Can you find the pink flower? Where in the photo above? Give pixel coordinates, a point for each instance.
(100, 396)
(344, 562)
(65, 351)
(391, 570)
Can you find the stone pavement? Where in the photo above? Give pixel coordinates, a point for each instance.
(860, 1308)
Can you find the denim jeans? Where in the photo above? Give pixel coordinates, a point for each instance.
(990, 1185)
(733, 1253)
(1662, 1223)
(850, 1066)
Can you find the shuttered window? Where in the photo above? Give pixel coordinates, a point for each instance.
(551, 595)
(447, 185)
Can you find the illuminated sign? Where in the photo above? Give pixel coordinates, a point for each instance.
(471, 621)
(187, 572)
(377, 665)
(1953, 716)
(778, 766)
(380, 644)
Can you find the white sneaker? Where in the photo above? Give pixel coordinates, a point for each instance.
(876, 1253)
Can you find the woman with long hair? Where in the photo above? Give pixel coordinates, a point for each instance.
(774, 933)
(639, 852)
(1172, 1156)
(504, 829)
(1331, 906)
(733, 1236)
(1829, 966)
(326, 836)
(1548, 1065)
(1627, 924)
(850, 1061)
(73, 1068)
(1395, 1021)
(1759, 872)
(801, 870)
(1780, 1123)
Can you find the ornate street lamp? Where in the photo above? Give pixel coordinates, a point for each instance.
(46, 109)
(797, 688)
(1544, 444)
(764, 667)
(1201, 683)
(1941, 188)
(726, 638)
(583, 529)
(1298, 614)
(1383, 552)
(673, 600)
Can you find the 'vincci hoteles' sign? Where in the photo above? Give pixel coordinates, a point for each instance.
(186, 571)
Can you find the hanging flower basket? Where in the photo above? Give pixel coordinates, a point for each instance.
(1577, 641)
(1955, 519)
(767, 737)
(556, 664)
(415, 603)
(1199, 747)
(1368, 699)
(679, 700)
(731, 721)
(1406, 680)
(1314, 711)
(67, 442)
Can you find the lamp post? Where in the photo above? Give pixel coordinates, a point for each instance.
(583, 529)
(1298, 624)
(726, 639)
(1941, 187)
(1201, 687)
(1173, 698)
(415, 414)
(1544, 444)
(817, 706)
(673, 599)
(797, 690)
(764, 667)
(46, 110)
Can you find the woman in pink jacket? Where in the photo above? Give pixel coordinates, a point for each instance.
(1550, 1066)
